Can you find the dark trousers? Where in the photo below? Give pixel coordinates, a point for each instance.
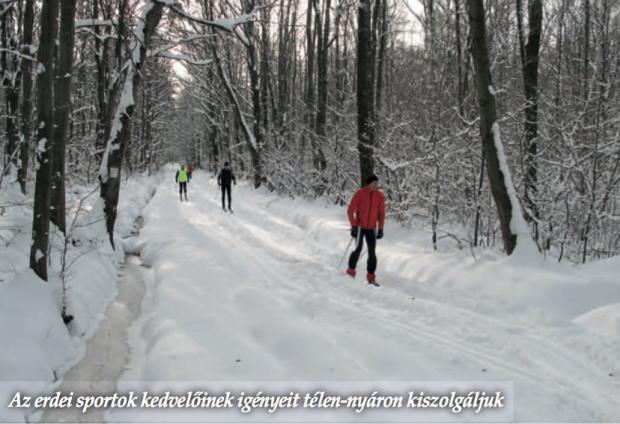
(183, 189)
(371, 241)
(225, 190)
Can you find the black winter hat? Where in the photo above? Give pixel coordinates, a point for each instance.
(372, 178)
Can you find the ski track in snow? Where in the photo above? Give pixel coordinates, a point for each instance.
(260, 298)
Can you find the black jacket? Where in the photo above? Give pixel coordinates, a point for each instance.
(225, 177)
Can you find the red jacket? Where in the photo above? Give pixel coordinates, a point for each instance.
(367, 209)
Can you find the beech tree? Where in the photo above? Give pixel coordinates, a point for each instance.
(488, 119)
(62, 109)
(45, 138)
(110, 170)
(26, 84)
(529, 62)
(365, 91)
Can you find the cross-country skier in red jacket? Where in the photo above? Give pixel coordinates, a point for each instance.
(366, 214)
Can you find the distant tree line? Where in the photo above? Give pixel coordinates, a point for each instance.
(309, 97)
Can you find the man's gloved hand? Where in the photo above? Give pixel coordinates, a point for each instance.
(380, 234)
(354, 232)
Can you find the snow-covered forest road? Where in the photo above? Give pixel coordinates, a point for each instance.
(258, 295)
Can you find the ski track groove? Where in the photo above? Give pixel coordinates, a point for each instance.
(480, 355)
(276, 264)
(533, 341)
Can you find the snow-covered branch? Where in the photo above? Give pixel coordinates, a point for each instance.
(18, 53)
(86, 23)
(180, 57)
(225, 24)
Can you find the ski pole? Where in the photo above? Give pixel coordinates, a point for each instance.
(345, 253)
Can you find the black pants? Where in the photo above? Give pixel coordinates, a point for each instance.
(371, 241)
(183, 189)
(225, 190)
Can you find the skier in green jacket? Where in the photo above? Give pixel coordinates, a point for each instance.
(181, 178)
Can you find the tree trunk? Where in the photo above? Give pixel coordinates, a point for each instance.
(284, 38)
(586, 49)
(10, 83)
(101, 60)
(530, 52)
(62, 102)
(459, 58)
(488, 117)
(259, 134)
(109, 174)
(26, 107)
(322, 90)
(265, 73)
(249, 135)
(382, 44)
(45, 111)
(365, 92)
(310, 37)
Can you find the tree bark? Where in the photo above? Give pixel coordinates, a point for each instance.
(109, 174)
(321, 115)
(259, 135)
(488, 117)
(365, 92)
(26, 106)
(62, 103)
(309, 95)
(460, 95)
(10, 83)
(586, 49)
(45, 111)
(530, 52)
(101, 61)
(382, 37)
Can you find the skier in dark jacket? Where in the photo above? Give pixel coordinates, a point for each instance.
(366, 215)
(224, 178)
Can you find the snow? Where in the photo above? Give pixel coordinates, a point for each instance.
(257, 296)
(37, 347)
(604, 321)
(230, 23)
(38, 255)
(113, 144)
(525, 249)
(226, 24)
(82, 23)
(256, 299)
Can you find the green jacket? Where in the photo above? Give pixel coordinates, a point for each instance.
(181, 176)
